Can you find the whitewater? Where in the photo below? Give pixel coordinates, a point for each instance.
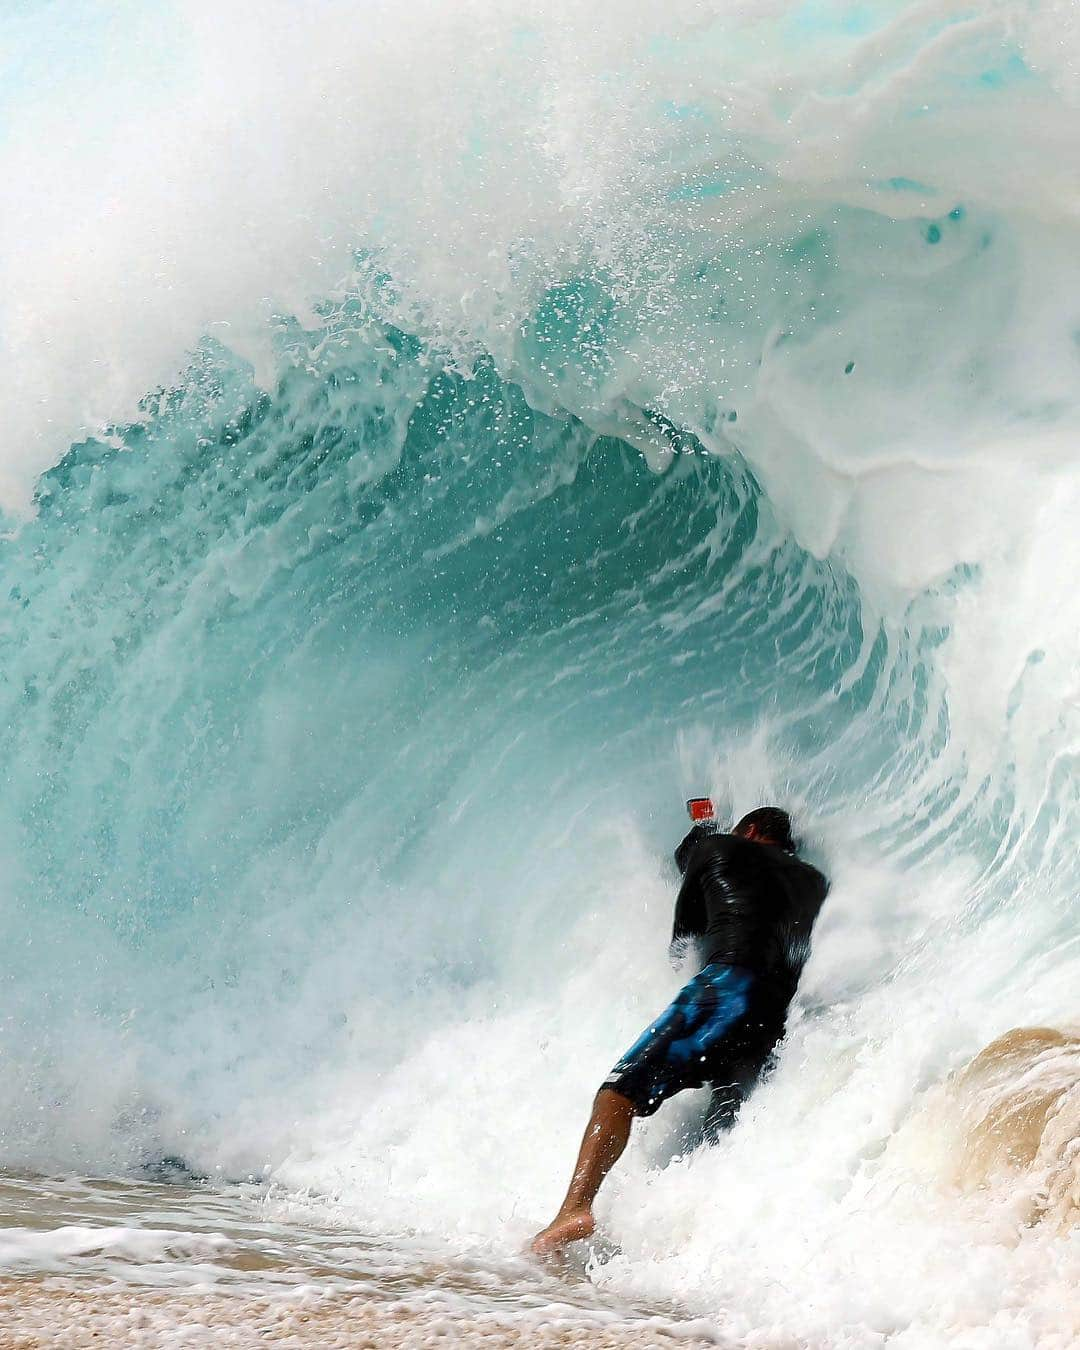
(435, 443)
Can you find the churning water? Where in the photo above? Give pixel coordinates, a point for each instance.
(435, 443)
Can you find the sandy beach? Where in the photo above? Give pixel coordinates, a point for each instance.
(104, 1262)
(37, 1314)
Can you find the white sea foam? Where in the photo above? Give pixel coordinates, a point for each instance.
(839, 246)
(35, 1250)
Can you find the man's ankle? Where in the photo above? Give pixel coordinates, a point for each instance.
(573, 1211)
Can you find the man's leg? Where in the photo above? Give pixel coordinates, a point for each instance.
(720, 1115)
(663, 1059)
(741, 1076)
(605, 1138)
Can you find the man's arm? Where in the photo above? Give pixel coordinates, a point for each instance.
(689, 919)
(682, 853)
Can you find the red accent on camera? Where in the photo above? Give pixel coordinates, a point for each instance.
(701, 808)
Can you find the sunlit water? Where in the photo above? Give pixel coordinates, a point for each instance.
(436, 441)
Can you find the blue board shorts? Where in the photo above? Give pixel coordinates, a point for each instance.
(720, 1029)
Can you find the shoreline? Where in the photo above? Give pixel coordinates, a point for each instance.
(62, 1314)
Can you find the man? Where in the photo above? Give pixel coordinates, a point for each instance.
(748, 904)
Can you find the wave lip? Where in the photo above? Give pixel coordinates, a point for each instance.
(682, 402)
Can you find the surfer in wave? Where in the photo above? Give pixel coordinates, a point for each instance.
(747, 904)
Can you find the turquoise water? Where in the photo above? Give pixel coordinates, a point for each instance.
(410, 501)
(268, 656)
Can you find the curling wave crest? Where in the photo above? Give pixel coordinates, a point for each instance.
(412, 499)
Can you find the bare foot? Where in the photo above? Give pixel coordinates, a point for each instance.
(579, 1223)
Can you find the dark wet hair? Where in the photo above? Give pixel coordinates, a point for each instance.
(771, 823)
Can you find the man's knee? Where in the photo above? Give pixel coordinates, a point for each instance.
(610, 1099)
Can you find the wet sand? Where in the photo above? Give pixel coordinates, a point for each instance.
(88, 1262)
(51, 1314)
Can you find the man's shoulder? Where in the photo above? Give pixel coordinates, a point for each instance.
(701, 837)
(811, 877)
(748, 857)
(717, 841)
(725, 852)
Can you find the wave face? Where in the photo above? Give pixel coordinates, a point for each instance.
(409, 507)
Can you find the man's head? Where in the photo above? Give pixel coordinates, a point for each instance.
(767, 825)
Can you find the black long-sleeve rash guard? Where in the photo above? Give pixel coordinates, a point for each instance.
(747, 904)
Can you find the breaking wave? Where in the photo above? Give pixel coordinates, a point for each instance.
(434, 447)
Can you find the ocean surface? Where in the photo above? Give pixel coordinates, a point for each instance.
(435, 442)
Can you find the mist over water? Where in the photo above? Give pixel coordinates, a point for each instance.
(433, 448)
